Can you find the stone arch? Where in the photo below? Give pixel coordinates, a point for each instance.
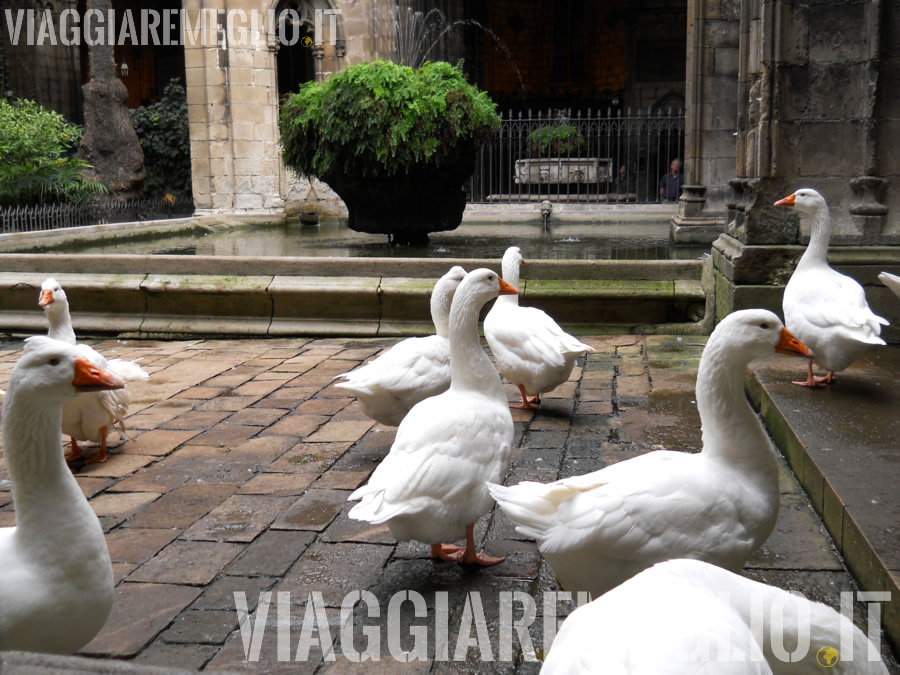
(307, 58)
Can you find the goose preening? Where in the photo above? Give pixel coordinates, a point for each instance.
(892, 281)
(719, 505)
(88, 417)
(56, 585)
(687, 616)
(431, 486)
(413, 369)
(529, 347)
(825, 309)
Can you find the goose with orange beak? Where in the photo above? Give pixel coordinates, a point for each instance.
(431, 486)
(56, 589)
(825, 309)
(719, 505)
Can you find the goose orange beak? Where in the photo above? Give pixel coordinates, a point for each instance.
(506, 289)
(46, 298)
(787, 201)
(791, 346)
(89, 377)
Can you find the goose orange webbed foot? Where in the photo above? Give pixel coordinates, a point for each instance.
(527, 403)
(74, 454)
(811, 380)
(447, 552)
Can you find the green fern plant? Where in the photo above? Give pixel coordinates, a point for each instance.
(381, 119)
(50, 182)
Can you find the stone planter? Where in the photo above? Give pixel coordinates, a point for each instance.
(563, 170)
(407, 206)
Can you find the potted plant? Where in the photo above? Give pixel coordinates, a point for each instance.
(395, 143)
(558, 140)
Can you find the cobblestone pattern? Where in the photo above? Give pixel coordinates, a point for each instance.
(237, 476)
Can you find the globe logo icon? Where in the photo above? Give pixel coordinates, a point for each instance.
(306, 41)
(827, 657)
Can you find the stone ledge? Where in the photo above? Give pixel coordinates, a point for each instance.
(841, 443)
(175, 302)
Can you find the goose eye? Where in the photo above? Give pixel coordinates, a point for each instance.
(764, 326)
(53, 361)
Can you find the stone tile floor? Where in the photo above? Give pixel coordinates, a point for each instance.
(235, 482)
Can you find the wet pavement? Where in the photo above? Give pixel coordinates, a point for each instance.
(232, 495)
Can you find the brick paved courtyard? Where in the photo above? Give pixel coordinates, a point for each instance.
(237, 477)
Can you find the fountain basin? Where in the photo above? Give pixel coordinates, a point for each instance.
(139, 295)
(135, 294)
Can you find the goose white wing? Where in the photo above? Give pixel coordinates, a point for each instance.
(650, 508)
(519, 338)
(444, 450)
(409, 365)
(654, 624)
(825, 300)
(892, 281)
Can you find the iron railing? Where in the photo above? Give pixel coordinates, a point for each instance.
(573, 157)
(55, 216)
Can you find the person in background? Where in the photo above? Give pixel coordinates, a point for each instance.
(670, 184)
(624, 184)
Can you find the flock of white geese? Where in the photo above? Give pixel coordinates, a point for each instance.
(657, 540)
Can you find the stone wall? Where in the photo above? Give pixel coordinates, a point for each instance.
(814, 110)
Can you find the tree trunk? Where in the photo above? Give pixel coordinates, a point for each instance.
(110, 144)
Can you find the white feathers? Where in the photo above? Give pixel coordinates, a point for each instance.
(600, 529)
(686, 616)
(824, 308)
(431, 486)
(56, 589)
(529, 348)
(411, 370)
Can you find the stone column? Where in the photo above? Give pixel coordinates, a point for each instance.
(232, 109)
(807, 118)
(711, 97)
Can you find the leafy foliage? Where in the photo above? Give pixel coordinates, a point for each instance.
(556, 140)
(33, 165)
(30, 133)
(162, 128)
(380, 119)
(50, 182)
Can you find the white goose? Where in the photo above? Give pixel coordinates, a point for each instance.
(892, 281)
(687, 616)
(529, 347)
(411, 370)
(88, 417)
(720, 505)
(56, 588)
(431, 486)
(824, 308)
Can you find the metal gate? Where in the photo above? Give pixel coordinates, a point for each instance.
(578, 158)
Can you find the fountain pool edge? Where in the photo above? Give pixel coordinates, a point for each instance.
(141, 295)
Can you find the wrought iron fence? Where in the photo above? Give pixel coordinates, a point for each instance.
(565, 157)
(54, 216)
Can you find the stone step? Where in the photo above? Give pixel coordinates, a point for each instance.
(174, 295)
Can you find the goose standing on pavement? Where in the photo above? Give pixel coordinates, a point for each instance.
(719, 505)
(825, 309)
(529, 347)
(56, 585)
(431, 486)
(90, 416)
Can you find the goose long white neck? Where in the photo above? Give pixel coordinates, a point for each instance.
(510, 276)
(470, 367)
(731, 428)
(47, 498)
(60, 323)
(817, 251)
